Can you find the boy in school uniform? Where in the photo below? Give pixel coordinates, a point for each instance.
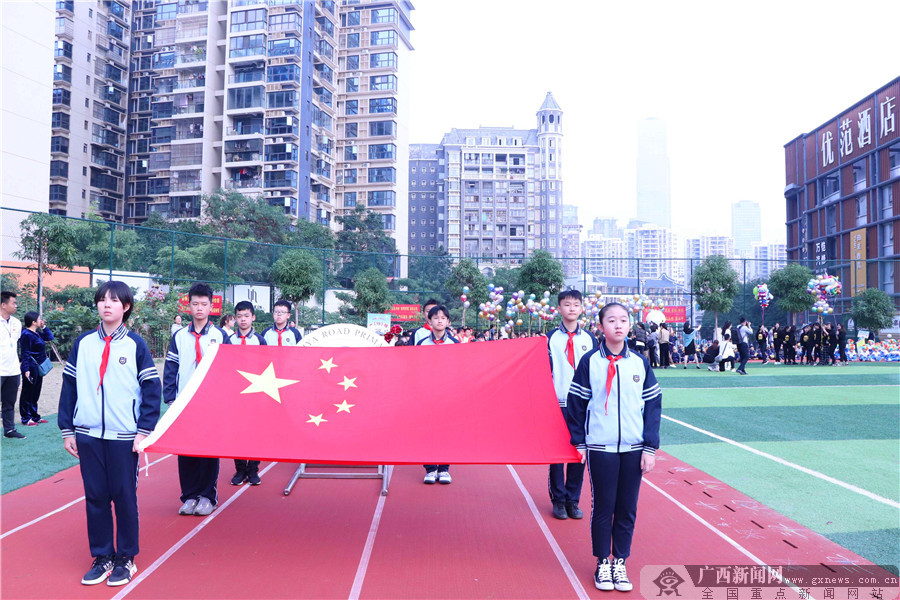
(439, 334)
(566, 345)
(420, 333)
(197, 475)
(281, 333)
(245, 315)
(108, 404)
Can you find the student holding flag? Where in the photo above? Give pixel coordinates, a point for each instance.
(245, 315)
(281, 333)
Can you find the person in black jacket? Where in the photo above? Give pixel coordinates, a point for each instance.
(777, 339)
(33, 344)
(842, 343)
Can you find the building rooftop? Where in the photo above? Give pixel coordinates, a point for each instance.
(550, 103)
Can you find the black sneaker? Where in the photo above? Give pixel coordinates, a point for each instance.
(603, 576)
(14, 434)
(238, 478)
(123, 571)
(559, 511)
(573, 511)
(253, 479)
(100, 570)
(620, 577)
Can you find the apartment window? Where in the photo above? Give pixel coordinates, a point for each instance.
(422, 222)
(59, 144)
(887, 202)
(862, 210)
(380, 151)
(351, 130)
(247, 45)
(384, 15)
(285, 22)
(413, 234)
(352, 84)
(279, 73)
(62, 73)
(286, 99)
(887, 237)
(353, 40)
(115, 30)
(248, 97)
(349, 175)
(63, 48)
(382, 128)
(412, 209)
(350, 19)
(351, 107)
(61, 96)
(382, 175)
(349, 199)
(388, 221)
(351, 152)
(284, 47)
(59, 168)
(166, 11)
(90, 13)
(383, 38)
(59, 193)
(353, 62)
(382, 198)
(247, 20)
(383, 82)
(59, 120)
(383, 60)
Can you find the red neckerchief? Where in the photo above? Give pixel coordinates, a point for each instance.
(570, 347)
(105, 360)
(610, 373)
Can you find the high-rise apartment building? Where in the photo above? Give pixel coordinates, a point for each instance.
(504, 189)
(372, 107)
(653, 179)
(608, 228)
(90, 102)
(696, 249)
(426, 199)
(571, 241)
(745, 226)
(604, 257)
(655, 249)
(27, 54)
(766, 258)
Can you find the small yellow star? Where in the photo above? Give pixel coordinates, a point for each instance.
(347, 383)
(266, 382)
(328, 365)
(344, 407)
(317, 420)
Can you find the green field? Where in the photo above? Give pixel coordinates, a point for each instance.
(841, 422)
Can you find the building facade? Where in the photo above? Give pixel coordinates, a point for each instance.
(655, 250)
(745, 226)
(571, 241)
(842, 196)
(653, 177)
(766, 259)
(426, 199)
(696, 249)
(604, 256)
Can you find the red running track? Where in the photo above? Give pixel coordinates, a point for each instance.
(476, 538)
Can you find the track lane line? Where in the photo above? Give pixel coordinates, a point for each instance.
(142, 575)
(554, 545)
(367, 550)
(65, 506)
(786, 463)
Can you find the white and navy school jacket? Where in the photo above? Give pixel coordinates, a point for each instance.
(181, 360)
(290, 336)
(128, 400)
(557, 339)
(430, 341)
(253, 339)
(629, 419)
(419, 334)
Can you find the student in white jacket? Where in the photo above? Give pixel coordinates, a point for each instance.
(726, 354)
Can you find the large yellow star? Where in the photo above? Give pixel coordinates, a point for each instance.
(328, 365)
(266, 382)
(344, 407)
(347, 383)
(317, 420)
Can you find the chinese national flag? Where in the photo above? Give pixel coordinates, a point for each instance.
(462, 403)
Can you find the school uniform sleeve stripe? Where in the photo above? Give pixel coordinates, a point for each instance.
(151, 387)
(68, 396)
(650, 392)
(580, 391)
(170, 370)
(69, 369)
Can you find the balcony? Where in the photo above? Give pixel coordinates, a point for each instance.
(195, 81)
(245, 52)
(245, 130)
(190, 109)
(191, 7)
(285, 51)
(65, 27)
(186, 186)
(247, 77)
(240, 184)
(281, 156)
(190, 58)
(191, 33)
(239, 157)
(283, 130)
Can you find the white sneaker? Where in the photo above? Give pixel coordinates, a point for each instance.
(431, 477)
(603, 576)
(204, 507)
(619, 576)
(444, 477)
(188, 507)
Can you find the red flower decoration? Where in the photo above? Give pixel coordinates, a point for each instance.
(388, 337)
(396, 330)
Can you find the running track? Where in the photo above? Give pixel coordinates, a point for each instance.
(488, 535)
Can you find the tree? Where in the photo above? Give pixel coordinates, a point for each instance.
(428, 273)
(365, 245)
(788, 285)
(541, 273)
(873, 310)
(507, 278)
(746, 305)
(466, 274)
(92, 243)
(371, 296)
(311, 235)
(49, 243)
(298, 275)
(715, 284)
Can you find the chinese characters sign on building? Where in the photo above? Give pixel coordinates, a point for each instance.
(858, 255)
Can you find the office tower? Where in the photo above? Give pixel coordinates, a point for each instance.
(655, 247)
(28, 47)
(90, 100)
(608, 228)
(604, 257)
(745, 226)
(571, 241)
(372, 107)
(504, 189)
(653, 193)
(426, 199)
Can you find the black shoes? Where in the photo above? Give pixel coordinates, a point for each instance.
(559, 511)
(14, 434)
(253, 479)
(573, 511)
(100, 570)
(123, 570)
(239, 478)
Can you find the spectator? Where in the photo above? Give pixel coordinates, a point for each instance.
(35, 365)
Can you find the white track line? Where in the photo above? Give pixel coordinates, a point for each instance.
(781, 461)
(367, 551)
(560, 555)
(730, 541)
(64, 507)
(142, 575)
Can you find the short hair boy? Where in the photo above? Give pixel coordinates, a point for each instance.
(108, 370)
(197, 475)
(420, 333)
(281, 333)
(244, 315)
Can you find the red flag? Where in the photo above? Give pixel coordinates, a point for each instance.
(483, 403)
